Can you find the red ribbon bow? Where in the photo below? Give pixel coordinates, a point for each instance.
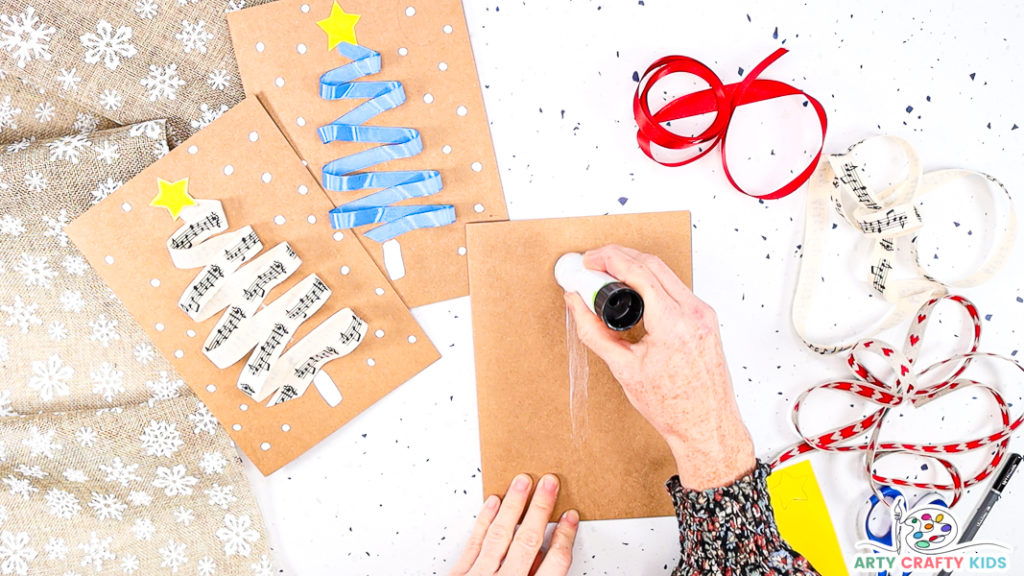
(719, 98)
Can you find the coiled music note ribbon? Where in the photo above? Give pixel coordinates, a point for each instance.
(224, 282)
(902, 387)
(720, 99)
(887, 209)
(338, 175)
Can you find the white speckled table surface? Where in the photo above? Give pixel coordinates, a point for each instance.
(395, 491)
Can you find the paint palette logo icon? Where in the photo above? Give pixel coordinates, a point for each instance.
(930, 529)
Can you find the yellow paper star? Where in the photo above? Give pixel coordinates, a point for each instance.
(173, 196)
(339, 26)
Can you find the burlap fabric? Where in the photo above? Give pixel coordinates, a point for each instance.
(127, 60)
(108, 463)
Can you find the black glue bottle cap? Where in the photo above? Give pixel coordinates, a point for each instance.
(619, 306)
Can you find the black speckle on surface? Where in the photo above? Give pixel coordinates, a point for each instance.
(928, 98)
(563, 114)
(955, 223)
(988, 317)
(910, 109)
(636, 76)
(775, 34)
(748, 17)
(972, 75)
(1020, 300)
(1014, 127)
(623, 200)
(740, 71)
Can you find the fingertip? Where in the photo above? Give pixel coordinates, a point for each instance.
(491, 502)
(571, 517)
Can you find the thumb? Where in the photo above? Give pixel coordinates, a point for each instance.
(592, 332)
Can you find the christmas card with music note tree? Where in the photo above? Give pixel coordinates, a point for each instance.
(223, 253)
(382, 95)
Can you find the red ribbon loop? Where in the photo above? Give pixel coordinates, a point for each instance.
(718, 98)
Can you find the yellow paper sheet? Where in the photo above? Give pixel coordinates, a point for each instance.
(803, 518)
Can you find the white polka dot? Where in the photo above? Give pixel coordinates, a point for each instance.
(179, 353)
(478, 208)
(447, 29)
(155, 282)
(260, 47)
(254, 136)
(279, 82)
(193, 149)
(371, 362)
(304, 8)
(300, 121)
(311, 219)
(265, 446)
(410, 11)
(442, 66)
(379, 291)
(211, 388)
(403, 51)
(109, 259)
(190, 333)
(461, 111)
(462, 250)
(285, 427)
(279, 220)
(243, 407)
(301, 48)
(303, 189)
(446, 149)
(411, 339)
(236, 427)
(476, 166)
(126, 207)
(378, 333)
(267, 176)
(428, 98)
(159, 327)
(229, 170)
(338, 236)
(345, 270)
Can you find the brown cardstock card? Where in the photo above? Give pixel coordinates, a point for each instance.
(620, 467)
(124, 239)
(281, 54)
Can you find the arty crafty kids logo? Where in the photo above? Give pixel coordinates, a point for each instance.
(927, 537)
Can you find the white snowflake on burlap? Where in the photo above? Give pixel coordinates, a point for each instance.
(173, 555)
(69, 79)
(6, 410)
(21, 315)
(50, 378)
(207, 115)
(55, 227)
(104, 331)
(194, 36)
(8, 114)
(164, 387)
(57, 331)
(184, 516)
(105, 188)
(36, 181)
(75, 475)
(106, 152)
(146, 9)
(107, 506)
(11, 225)
(15, 552)
(203, 420)
(97, 551)
(35, 270)
(109, 99)
(175, 481)
(56, 549)
(263, 567)
(237, 535)
(85, 123)
(206, 567)
(86, 436)
(129, 563)
(107, 381)
(74, 265)
(162, 82)
(143, 529)
(62, 504)
(20, 145)
(72, 301)
(20, 486)
(45, 112)
(161, 439)
(143, 353)
(140, 498)
(212, 463)
(218, 79)
(119, 472)
(68, 148)
(220, 496)
(26, 37)
(108, 45)
(41, 443)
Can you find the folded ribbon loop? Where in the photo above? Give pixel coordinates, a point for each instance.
(900, 386)
(718, 98)
(396, 143)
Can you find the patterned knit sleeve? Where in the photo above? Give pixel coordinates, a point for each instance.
(731, 531)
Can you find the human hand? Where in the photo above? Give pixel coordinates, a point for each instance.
(496, 547)
(676, 375)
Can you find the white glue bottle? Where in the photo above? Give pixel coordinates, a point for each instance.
(618, 305)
